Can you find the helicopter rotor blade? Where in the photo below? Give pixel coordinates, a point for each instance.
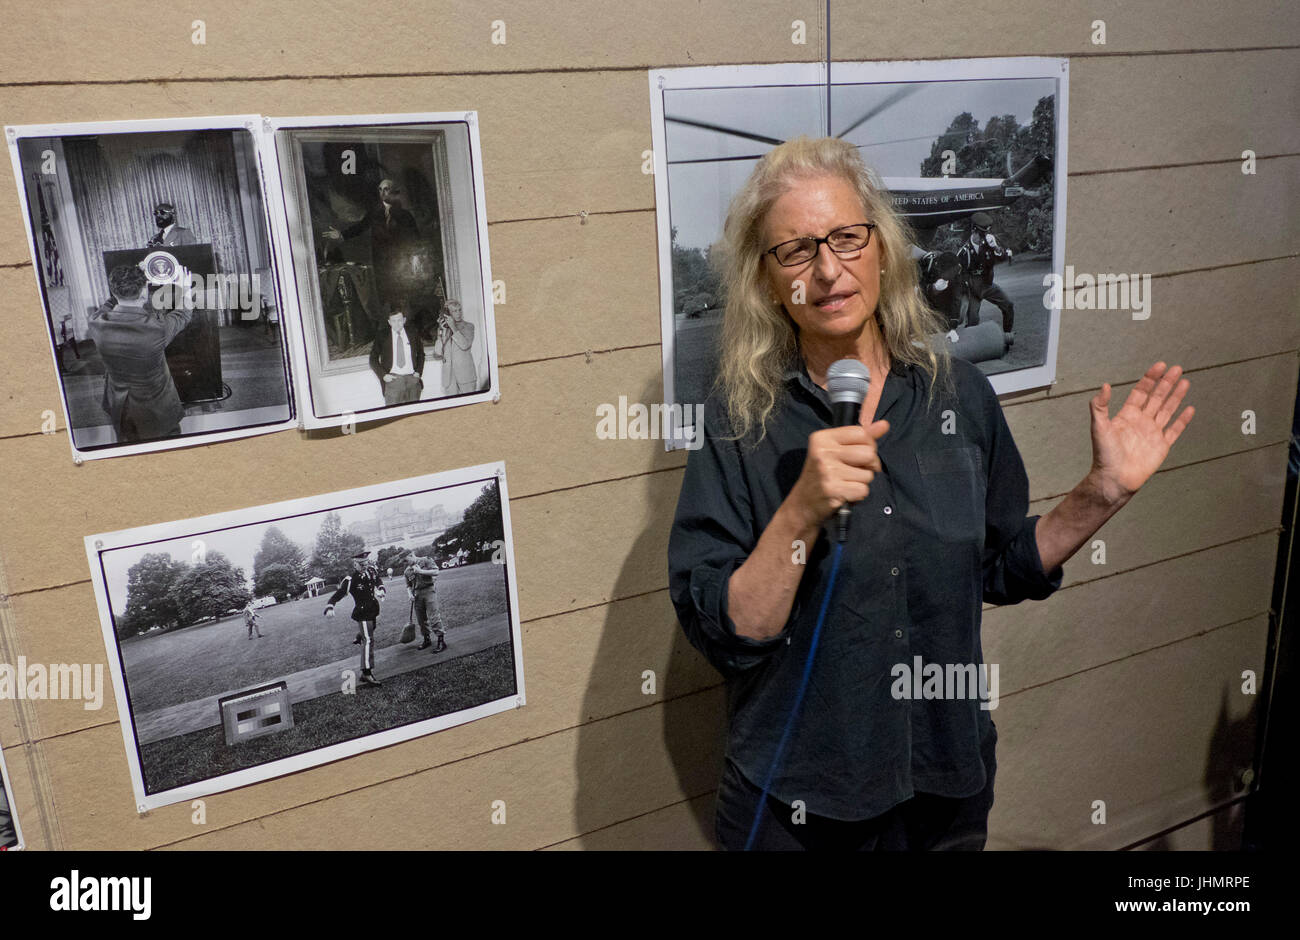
(889, 101)
(718, 128)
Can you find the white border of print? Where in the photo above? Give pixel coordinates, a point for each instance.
(288, 283)
(252, 515)
(814, 73)
(13, 813)
(247, 122)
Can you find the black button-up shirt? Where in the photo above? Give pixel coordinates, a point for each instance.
(943, 528)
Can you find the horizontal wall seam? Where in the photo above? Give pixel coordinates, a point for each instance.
(1061, 396)
(1175, 166)
(1196, 463)
(1088, 582)
(1141, 652)
(1213, 811)
(592, 70)
(649, 812)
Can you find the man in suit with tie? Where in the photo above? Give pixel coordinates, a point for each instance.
(169, 233)
(397, 358)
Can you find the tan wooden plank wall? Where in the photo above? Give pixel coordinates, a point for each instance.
(1124, 688)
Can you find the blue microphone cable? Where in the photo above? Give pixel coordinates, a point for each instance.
(798, 698)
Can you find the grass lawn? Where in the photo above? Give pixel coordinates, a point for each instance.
(409, 697)
(183, 665)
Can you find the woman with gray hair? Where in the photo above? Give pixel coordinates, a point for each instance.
(833, 739)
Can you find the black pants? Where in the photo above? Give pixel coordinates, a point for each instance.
(976, 295)
(922, 824)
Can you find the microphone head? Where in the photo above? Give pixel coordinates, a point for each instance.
(847, 380)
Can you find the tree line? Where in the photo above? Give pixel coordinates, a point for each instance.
(162, 591)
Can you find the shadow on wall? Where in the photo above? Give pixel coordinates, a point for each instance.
(1230, 752)
(648, 761)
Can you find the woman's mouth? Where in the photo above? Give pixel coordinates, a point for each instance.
(832, 302)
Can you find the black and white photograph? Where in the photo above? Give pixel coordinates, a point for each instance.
(972, 152)
(10, 835)
(153, 253)
(387, 227)
(251, 644)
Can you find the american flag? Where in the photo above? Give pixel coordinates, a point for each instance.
(49, 248)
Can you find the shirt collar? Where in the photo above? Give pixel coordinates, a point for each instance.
(797, 372)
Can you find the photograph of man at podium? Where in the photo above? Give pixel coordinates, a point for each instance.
(152, 247)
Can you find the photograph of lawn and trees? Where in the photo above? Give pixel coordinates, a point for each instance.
(181, 609)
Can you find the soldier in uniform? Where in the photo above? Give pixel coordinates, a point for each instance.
(977, 258)
(421, 578)
(367, 591)
(943, 284)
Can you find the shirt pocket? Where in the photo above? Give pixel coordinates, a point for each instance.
(953, 483)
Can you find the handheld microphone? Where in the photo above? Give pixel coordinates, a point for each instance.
(847, 381)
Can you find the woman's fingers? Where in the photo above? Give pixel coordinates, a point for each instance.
(840, 466)
(859, 455)
(849, 492)
(1171, 403)
(856, 475)
(1174, 430)
(1162, 390)
(1140, 394)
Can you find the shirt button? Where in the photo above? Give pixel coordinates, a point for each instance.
(898, 633)
(894, 572)
(889, 510)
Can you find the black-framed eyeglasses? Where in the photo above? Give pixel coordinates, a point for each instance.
(843, 241)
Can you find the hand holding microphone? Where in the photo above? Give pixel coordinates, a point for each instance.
(842, 461)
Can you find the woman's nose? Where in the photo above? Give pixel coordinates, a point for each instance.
(827, 263)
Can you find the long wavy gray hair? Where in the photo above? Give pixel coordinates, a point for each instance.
(759, 340)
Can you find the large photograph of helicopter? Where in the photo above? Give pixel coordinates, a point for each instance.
(972, 151)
